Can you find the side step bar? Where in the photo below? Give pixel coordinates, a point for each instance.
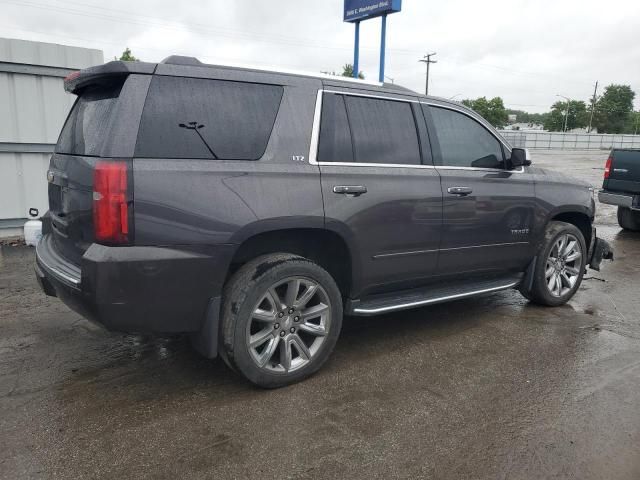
(379, 304)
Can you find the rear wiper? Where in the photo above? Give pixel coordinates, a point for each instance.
(195, 126)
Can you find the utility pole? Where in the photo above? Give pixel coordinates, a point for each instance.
(427, 59)
(566, 113)
(593, 106)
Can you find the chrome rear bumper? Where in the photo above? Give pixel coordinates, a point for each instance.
(627, 200)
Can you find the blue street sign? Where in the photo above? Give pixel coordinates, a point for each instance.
(356, 10)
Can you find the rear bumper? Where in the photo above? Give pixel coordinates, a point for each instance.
(137, 289)
(627, 200)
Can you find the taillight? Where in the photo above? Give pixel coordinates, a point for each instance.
(70, 81)
(110, 210)
(72, 76)
(607, 167)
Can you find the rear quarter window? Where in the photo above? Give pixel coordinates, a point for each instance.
(207, 119)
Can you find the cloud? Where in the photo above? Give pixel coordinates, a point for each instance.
(526, 52)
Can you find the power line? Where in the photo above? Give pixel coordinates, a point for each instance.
(153, 21)
(162, 52)
(114, 15)
(180, 26)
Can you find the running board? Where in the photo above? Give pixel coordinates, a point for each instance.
(391, 302)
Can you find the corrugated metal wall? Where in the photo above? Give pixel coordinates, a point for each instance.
(33, 107)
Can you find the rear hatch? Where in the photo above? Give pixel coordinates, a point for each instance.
(90, 172)
(624, 172)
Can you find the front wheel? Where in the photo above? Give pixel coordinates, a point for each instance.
(282, 315)
(560, 265)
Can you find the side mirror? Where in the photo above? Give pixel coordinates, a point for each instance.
(520, 158)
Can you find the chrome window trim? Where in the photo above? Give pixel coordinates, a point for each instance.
(315, 130)
(383, 165)
(491, 170)
(367, 95)
(315, 138)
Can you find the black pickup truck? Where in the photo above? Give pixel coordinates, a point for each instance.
(621, 186)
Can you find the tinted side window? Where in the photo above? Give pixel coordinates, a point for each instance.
(383, 131)
(200, 118)
(335, 137)
(464, 142)
(84, 131)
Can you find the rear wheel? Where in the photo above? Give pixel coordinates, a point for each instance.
(282, 315)
(629, 219)
(560, 265)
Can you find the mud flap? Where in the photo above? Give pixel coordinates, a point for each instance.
(205, 341)
(601, 251)
(527, 280)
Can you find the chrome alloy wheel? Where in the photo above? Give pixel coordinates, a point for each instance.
(289, 324)
(563, 265)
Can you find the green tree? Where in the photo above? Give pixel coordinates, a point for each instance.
(633, 124)
(347, 71)
(554, 122)
(526, 117)
(578, 117)
(492, 111)
(538, 118)
(127, 56)
(613, 109)
(521, 115)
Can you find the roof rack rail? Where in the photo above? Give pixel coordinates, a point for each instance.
(194, 62)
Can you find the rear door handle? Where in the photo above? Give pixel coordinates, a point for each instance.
(355, 190)
(461, 191)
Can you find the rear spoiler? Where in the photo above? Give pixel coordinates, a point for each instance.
(105, 74)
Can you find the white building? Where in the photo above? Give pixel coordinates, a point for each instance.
(33, 107)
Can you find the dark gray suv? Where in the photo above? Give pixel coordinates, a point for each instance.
(254, 209)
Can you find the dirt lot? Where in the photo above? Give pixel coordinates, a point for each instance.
(490, 387)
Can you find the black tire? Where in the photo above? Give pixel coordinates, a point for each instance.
(540, 292)
(240, 299)
(629, 219)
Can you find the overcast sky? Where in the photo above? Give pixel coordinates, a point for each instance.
(524, 51)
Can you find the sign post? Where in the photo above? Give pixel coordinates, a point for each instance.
(356, 51)
(357, 10)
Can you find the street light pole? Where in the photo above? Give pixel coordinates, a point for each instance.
(427, 59)
(593, 106)
(566, 113)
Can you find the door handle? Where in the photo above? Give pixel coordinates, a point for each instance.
(461, 191)
(355, 190)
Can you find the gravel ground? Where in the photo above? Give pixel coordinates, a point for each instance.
(490, 387)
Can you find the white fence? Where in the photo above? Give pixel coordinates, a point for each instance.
(569, 141)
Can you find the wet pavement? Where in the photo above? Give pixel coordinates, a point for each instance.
(491, 387)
